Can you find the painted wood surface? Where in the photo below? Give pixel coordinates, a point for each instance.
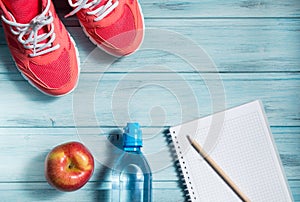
(210, 8)
(233, 44)
(251, 51)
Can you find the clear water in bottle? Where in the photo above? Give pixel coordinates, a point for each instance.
(132, 179)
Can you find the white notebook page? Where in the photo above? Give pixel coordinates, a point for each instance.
(240, 142)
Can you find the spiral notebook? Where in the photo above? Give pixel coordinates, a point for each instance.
(240, 142)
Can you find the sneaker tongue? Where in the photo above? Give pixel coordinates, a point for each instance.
(23, 10)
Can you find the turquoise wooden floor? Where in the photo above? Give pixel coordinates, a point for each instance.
(255, 46)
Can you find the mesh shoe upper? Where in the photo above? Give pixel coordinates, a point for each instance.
(118, 30)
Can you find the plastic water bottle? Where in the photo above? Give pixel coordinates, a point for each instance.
(131, 175)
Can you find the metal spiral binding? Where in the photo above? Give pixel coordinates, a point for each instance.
(180, 169)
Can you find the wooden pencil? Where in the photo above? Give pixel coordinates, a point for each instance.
(218, 170)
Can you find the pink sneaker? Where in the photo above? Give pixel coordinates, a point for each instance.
(115, 26)
(40, 45)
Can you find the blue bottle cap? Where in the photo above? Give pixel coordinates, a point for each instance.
(132, 136)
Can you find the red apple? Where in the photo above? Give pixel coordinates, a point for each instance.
(69, 166)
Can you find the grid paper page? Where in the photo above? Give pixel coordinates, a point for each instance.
(242, 146)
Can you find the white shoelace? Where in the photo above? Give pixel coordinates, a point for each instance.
(100, 12)
(28, 33)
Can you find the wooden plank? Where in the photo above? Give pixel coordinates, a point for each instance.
(207, 8)
(295, 187)
(234, 45)
(230, 8)
(150, 98)
(100, 185)
(42, 192)
(30, 146)
(90, 192)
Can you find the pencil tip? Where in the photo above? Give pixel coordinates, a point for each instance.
(189, 138)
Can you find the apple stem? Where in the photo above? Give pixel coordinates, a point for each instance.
(71, 165)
